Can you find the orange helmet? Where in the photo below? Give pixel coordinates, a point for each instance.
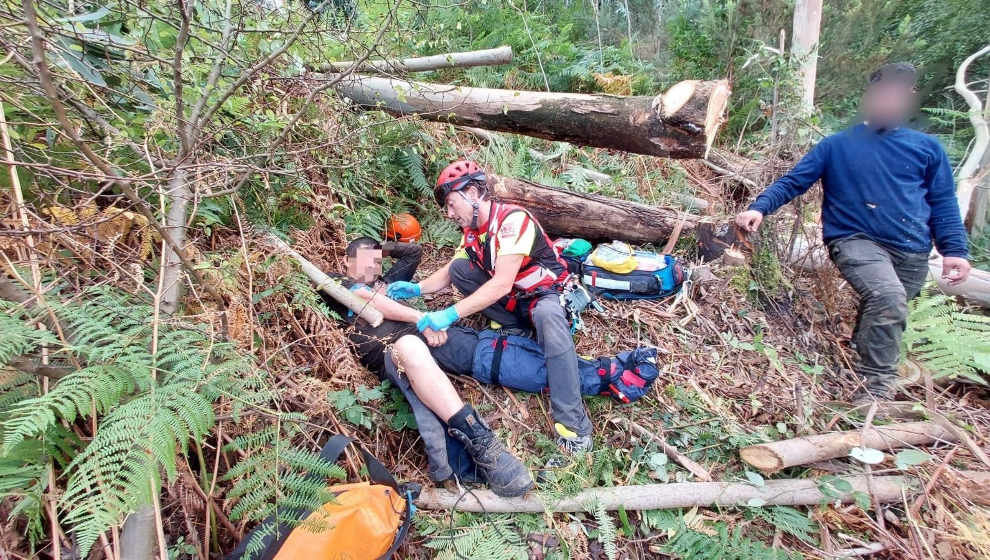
(458, 176)
(403, 227)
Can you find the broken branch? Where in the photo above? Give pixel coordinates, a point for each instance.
(773, 456)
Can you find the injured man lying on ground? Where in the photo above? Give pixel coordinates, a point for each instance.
(459, 443)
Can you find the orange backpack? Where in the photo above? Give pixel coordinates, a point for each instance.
(366, 520)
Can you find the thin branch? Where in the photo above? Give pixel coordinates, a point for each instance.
(180, 45)
(250, 72)
(44, 77)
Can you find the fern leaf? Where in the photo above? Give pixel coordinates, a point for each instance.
(606, 532)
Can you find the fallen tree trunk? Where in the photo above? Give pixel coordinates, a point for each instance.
(680, 123)
(790, 492)
(812, 256)
(776, 455)
(487, 57)
(976, 288)
(592, 217)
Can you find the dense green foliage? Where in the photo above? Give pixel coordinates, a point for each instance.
(951, 342)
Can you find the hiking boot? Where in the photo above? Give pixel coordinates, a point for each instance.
(506, 475)
(570, 444)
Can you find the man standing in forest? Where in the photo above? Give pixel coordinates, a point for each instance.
(509, 271)
(888, 191)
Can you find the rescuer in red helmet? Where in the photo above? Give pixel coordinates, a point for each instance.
(510, 271)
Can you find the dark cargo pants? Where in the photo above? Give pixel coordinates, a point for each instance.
(885, 279)
(553, 333)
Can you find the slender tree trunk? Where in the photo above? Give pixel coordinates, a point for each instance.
(179, 194)
(969, 172)
(804, 47)
(488, 57)
(787, 492)
(680, 123)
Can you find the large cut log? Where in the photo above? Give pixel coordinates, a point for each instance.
(773, 456)
(487, 57)
(976, 288)
(592, 217)
(680, 123)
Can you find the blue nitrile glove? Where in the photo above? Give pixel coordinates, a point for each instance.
(403, 290)
(438, 320)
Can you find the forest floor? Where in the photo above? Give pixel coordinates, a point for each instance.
(749, 354)
(739, 366)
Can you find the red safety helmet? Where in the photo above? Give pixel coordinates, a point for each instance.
(456, 177)
(403, 227)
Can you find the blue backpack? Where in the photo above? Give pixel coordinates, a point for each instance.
(635, 284)
(518, 363)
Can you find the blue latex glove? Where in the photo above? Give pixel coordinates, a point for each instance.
(403, 290)
(438, 320)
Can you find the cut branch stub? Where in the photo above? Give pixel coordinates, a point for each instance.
(680, 123)
(773, 456)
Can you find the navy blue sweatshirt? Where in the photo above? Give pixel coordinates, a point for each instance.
(895, 186)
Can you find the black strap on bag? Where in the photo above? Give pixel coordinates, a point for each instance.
(378, 474)
(497, 360)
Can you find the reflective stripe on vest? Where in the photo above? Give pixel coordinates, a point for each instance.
(533, 273)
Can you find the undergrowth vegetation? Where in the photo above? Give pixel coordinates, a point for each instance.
(209, 413)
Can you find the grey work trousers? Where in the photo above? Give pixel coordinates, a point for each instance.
(885, 279)
(553, 333)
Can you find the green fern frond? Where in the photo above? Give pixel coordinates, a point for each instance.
(413, 164)
(789, 520)
(950, 342)
(15, 387)
(492, 539)
(724, 545)
(276, 479)
(120, 467)
(606, 532)
(19, 337)
(72, 397)
(151, 405)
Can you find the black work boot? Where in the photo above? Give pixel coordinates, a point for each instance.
(506, 475)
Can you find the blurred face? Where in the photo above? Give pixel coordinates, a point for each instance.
(888, 103)
(459, 206)
(366, 266)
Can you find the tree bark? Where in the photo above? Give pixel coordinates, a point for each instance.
(179, 194)
(592, 217)
(804, 47)
(680, 123)
(487, 57)
(788, 492)
(776, 455)
(981, 141)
